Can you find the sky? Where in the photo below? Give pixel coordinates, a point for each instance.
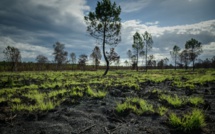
(33, 26)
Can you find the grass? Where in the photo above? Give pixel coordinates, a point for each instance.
(136, 105)
(174, 100)
(190, 121)
(95, 94)
(196, 100)
(162, 110)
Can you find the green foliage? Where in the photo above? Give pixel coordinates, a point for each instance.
(196, 100)
(173, 100)
(95, 94)
(136, 105)
(162, 110)
(190, 121)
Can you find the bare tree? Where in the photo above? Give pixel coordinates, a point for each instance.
(13, 56)
(147, 37)
(96, 56)
(73, 59)
(175, 53)
(60, 54)
(105, 24)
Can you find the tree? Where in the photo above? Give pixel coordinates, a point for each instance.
(175, 53)
(60, 54)
(185, 58)
(105, 24)
(134, 61)
(112, 56)
(137, 45)
(194, 48)
(148, 44)
(126, 63)
(142, 54)
(96, 56)
(129, 53)
(41, 60)
(73, 59)
(13, 56)
(151, 61)
(82, 61)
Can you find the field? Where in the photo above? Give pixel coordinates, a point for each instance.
(74, 102)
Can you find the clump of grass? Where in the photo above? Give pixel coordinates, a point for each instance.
(162, 110)
(191, 121)
(172, 100)
(136, 105)
(95, 94)
(196, 100)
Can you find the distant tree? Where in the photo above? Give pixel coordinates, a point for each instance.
(96, 56)
(112, 56)
(105, 24)
(82, 61)
(134, 61)
(137, 45)
(175, 53)
(60, 54)
(185, 58)
(151, 61)
(13, 56)
(194, 49)
(147, 37)
(166, 60)
(129, 53)
(142, 54)
(126, 63)
(160, 64)
(41, 60)
(73, 59)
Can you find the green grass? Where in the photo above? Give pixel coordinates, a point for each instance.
(95, 94)
(190, 121)
(196, 100)
(173, 100)
(136, 105)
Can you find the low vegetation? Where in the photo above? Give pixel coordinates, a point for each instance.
(188, 122)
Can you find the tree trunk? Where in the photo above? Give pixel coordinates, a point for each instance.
(107, 62)
(146, 57)
(137, 59)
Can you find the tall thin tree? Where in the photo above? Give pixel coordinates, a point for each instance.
(175, 53)
(147, 37)
(73, 59)
(105, 24)
(96, 56)
(137, 45)
(194, 48)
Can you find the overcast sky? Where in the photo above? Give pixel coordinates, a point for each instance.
(34, 26)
